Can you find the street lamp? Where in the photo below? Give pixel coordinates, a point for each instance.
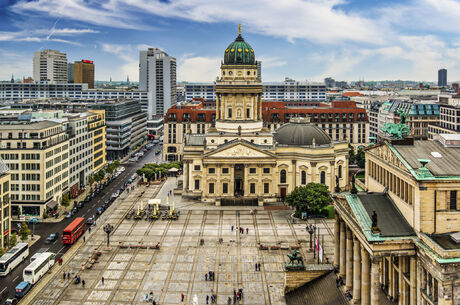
(310, 229)
(108, 228)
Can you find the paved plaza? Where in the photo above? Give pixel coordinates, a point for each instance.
(181, 263)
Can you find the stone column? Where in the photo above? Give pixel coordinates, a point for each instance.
(375, 284)
(401, 282)
(343, 262)
(217, 107)
(413, 284)
(185, 187)
(349, 269)
(294, 175)
(313, 172)
(332, 178)
(337, 241)
(365, 274)
(356, 271)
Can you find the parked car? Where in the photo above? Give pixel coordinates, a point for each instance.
(22, 288)
(68, 215)
(87, 199)
(33, 220)
(80, 205)
(11, 301)
(90, 221)
(115, 195)
(100, 210)
(74, 211)
(52, 237)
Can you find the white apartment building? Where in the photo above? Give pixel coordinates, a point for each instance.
(288, 91)
(157, 76)
(48, 90)
(50, 65)
(37, 154)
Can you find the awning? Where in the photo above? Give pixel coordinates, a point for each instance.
(52, 204)
(173, 169)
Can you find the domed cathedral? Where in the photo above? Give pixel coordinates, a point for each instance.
(239, 161)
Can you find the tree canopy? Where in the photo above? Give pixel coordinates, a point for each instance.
(311, 198)
(152, 169)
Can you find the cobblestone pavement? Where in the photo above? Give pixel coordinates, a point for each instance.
(181, 263)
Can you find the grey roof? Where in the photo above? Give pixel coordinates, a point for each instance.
(446, 165)
(301, 134)
(29, 126)
(389, 220)
(320, 291)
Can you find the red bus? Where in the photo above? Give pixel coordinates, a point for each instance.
(73, 231)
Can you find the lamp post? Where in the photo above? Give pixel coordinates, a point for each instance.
(310, 229)
(108, 228)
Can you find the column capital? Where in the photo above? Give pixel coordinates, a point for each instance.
(332, 162)
(313, 164)
(375, 259)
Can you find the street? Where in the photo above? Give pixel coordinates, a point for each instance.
(9, 282)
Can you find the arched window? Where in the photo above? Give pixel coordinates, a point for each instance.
(304, 177)
(323, 177)
(283, 176)
(340, 171)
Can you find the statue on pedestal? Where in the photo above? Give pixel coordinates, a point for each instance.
(295, 261)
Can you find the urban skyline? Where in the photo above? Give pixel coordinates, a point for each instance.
(346, 40)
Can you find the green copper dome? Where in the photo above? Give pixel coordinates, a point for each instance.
(239, 52)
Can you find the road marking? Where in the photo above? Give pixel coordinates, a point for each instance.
(14, 280)
(60, 250)
(2, 290)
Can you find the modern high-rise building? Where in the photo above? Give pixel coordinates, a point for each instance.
(442, 77)
(50, 65)
(70, 72)
(157, 75)
(83, 72)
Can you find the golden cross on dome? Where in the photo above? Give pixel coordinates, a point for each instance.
(239, 29)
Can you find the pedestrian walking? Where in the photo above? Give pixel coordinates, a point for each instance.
(247, 230)
(241, 292)
(207, 299)
(102, 280)
(255, 267)
(83, 283)
(232, 228)
(182, 297)
(68, 275)
(154, 302)
(89, 229)
(234, 300)
(234, 292)
(205, 276)
(229, 301)
(146, 297)
(64, 275)
(84, 238)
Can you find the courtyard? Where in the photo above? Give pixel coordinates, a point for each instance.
(201, 240)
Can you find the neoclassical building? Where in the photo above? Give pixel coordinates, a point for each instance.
(239, 161)
(409, 251)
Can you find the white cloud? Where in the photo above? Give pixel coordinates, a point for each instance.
(198, 69)
(14, 63)
(40, 35)
(271, 62)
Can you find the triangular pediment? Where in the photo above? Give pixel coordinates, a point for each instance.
(239, 150)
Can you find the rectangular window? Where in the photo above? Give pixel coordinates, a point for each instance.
(211, 188)
(225, 170)
(229, 113)
(252, 170)
(266, 170)
(266, 188)
(225, 188)
(197, 167)
(453, 200)
(212, 170)
(252, 188)
(197, 184)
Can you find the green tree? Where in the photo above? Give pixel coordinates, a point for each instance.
(311, 198)
(360, 158)
(2, 251)
(24, 231)
(13, 240)
(65, 200)
(352, 153)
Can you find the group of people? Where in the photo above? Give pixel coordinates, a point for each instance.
(237, 296)
(213, 299)
(149, 298)
(211, 276)
(241, 230)
(339, 283)
(257, 266)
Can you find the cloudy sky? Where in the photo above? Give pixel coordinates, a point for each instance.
(302, 39)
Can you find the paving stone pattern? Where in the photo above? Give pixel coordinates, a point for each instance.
(181, 263)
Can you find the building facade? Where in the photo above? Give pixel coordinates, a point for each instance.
(442, 78)
(50, 65)
(96, 129)
(449, 118)
(37, 154)
(5, 205)
(126, 127)
(400, 239)
(157, 76)
(238, 160)
(83, 72)
(342, 121)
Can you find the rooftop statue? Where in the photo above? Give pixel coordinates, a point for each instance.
(397, 131)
